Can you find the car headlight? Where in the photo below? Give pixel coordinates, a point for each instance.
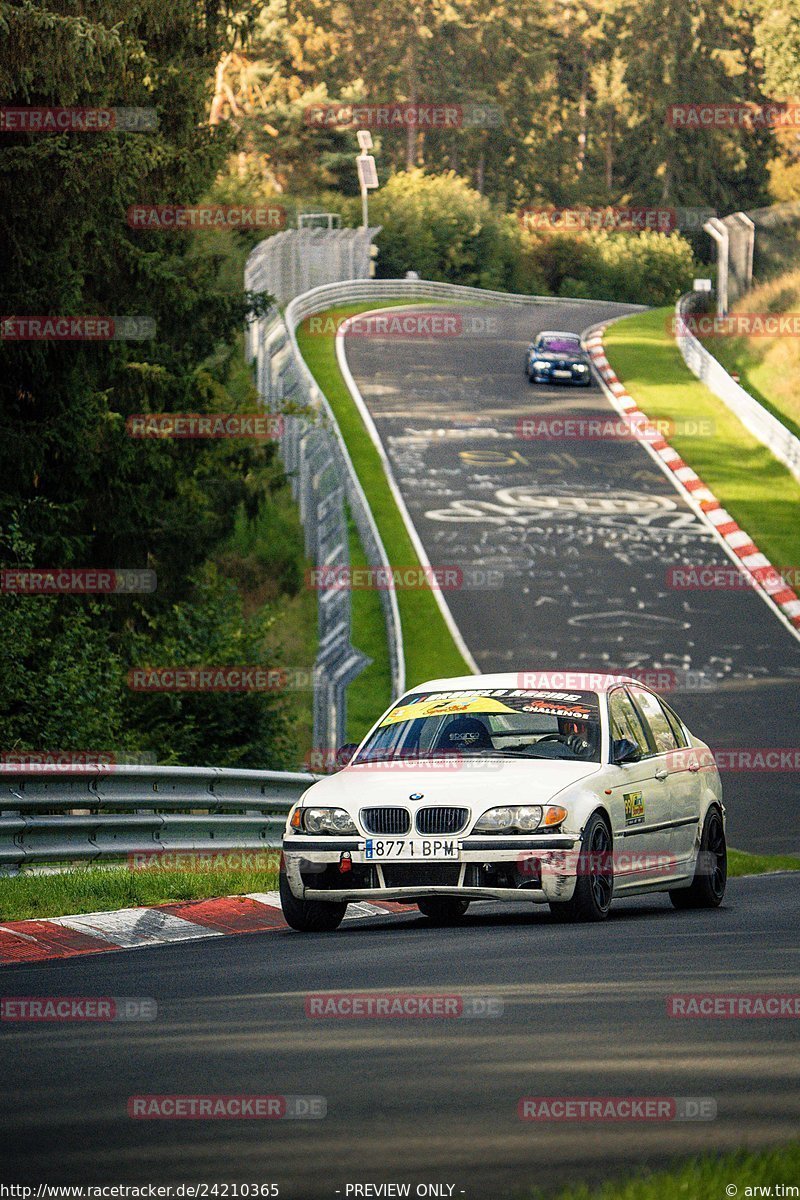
(540, 364)
(327, 820)
(580, 367)
(517, 819)
(524, 818)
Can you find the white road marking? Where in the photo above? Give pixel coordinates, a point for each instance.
(356, 910)
(131, 927)
(271, 899)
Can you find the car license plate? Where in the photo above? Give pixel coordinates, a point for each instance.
(409, 849)
(562, 374)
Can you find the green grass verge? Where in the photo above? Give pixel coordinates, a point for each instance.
(703, 1178)
(768, 367)
(430, 650)
(764, 378)
(103, 889)
(740, 862)
(371, 691)
(753, 486)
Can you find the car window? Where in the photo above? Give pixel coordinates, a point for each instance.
(676, 724)
(625, 721)
(654, 715)
(491, 722)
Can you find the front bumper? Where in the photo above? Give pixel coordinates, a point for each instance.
(579, 377)
(526, 869)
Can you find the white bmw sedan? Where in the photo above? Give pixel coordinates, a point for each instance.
(478, 788)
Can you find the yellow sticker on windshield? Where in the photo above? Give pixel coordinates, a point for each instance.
(442, 705)
(581, 706)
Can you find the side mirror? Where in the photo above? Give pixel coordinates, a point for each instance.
(623, 750)
(345, 753)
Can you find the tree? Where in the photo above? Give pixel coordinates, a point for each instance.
(75, 488)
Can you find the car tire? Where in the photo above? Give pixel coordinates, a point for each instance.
(593, 893)
(309, 916)
(443, 910)
(708, 886)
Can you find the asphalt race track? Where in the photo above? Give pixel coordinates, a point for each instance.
(434, 1101)
(426, 1100)
(581, 535)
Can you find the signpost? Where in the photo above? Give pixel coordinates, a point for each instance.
(367, 172)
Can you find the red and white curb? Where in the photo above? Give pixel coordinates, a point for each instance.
(133, 928)
(755, 564)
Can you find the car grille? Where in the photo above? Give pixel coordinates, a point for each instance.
(441, 820)
(386, 820)
(420, 874)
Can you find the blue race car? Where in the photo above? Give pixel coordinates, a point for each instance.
(555, 357)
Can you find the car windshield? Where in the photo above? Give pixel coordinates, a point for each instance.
(560, 345)
(490, 723)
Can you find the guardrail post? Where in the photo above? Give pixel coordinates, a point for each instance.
(719, 232)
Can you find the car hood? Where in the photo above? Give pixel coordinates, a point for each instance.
(477, 784)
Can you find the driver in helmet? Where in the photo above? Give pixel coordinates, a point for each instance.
(578, 735)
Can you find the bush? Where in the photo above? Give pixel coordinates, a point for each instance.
(442, 228)
(644, 268)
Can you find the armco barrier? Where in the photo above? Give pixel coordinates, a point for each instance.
(761, 423)
(109, 812)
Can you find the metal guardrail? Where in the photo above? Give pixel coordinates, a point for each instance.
(318, 462)
(108, 813)
(353, 291)
(301, 307)
(757, 419)
(321, 476)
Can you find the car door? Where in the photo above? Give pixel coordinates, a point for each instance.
(640, 802)
(673, 769)
(686, 783)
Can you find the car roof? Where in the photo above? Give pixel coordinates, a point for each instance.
(537, 680)
(559, 333)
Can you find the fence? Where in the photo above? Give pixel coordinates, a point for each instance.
(109, 813)
(761, 423)
(292, 262)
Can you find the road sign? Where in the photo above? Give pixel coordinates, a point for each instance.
(364, 139)
(367, 174)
